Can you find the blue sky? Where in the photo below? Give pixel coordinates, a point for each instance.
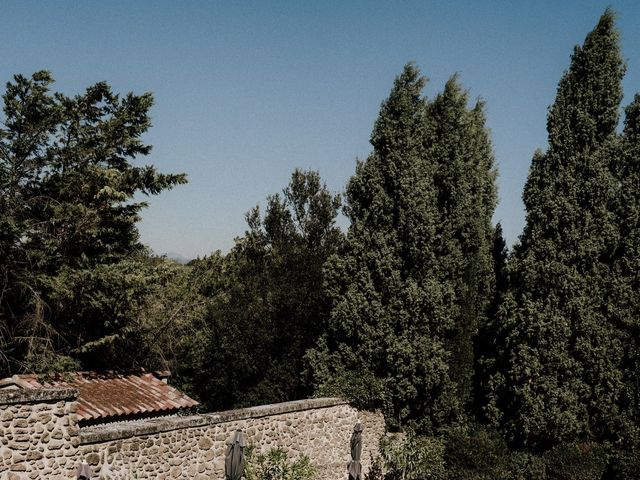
(247, 91)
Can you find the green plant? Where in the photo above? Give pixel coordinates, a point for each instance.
(274, 464)
(376, 471)
(475, 452)
(576, 461)
(409, 457)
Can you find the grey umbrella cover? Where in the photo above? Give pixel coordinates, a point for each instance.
(234, 459)
(83, 472)
(354, 468)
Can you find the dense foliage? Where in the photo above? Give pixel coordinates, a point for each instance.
(493, 365)
(563, 370)
(67, 220)
(405, 457)
(564, 374)
(268, 307)
(275, 464)
(415, 277)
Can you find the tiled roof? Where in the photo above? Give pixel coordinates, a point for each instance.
(109, 395)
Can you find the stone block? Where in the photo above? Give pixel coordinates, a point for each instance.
(55, 444)
(92, 458)
(205, 443)
(44, 417)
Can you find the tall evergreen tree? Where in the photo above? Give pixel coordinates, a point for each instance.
(628, 265)
(560, 352)
(404, 287)
(67, 182)
(465, 183)
(486, 361)
(623, 310)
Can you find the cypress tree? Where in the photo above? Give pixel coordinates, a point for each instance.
(486, 361)
(623, 309)
(629, 264)
(465, 183)
(384, 342)
(561, 378)
(413, 267)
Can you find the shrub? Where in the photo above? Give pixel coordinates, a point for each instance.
(526, 466)
(408, 457)
(476, 453)
(576, 461)
(275, 464)
(623, 465)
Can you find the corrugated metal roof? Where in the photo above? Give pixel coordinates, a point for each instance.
(108, 395)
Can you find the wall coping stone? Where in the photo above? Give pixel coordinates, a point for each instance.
(9, 396)
(136, 428)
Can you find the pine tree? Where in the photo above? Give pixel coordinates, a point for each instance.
(67, 214)
(561, 354)
(409, 285)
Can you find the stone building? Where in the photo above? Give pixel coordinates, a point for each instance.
(105, 397)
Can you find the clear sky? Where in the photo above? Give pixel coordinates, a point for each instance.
(247, 91)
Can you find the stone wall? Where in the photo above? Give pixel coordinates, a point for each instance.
(38, 434)
(187, 447)
(194, 447)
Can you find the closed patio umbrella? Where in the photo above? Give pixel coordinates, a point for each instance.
(234, 460)
(354, 468)
(83, 472)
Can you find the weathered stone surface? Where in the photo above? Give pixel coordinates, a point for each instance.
(28, 451)
(35, 396)
(188, 447)
(41, 439)
(205, 443)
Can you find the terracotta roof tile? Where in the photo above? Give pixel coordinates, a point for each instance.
(106, 395)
